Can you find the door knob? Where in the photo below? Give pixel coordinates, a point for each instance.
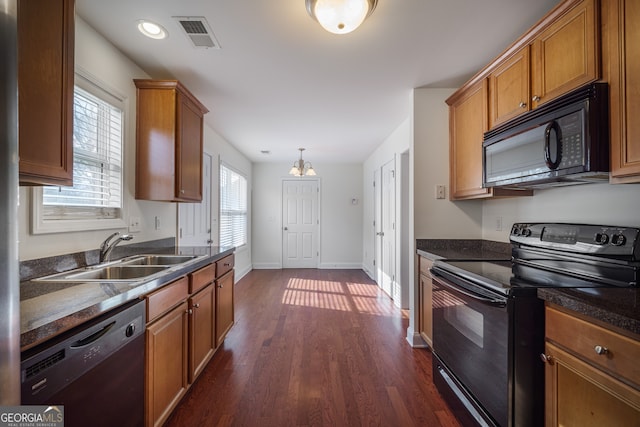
(285, 229)
(380, 233)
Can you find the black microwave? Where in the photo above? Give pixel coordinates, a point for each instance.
(563, 142)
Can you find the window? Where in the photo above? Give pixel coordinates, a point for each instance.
(95, 201)
(233, 207)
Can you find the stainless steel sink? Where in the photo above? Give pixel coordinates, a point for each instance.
(117, 272)
(121, 273)
(131, 269)
(159, 259)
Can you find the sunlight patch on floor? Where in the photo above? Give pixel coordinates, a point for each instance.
(330, 295)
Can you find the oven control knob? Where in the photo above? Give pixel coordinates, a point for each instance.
(601, 238)
(526, 232)
(618, 239)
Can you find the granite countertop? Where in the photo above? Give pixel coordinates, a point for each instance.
(463, 249)
(50, 308)
(619, 307)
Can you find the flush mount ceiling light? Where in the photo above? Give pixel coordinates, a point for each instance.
(301, 168)
(340, 16)
(151, 29)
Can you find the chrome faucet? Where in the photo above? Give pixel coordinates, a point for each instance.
(106, 247)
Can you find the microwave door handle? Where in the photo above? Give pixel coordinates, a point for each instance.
(498, 302)
(552, 126)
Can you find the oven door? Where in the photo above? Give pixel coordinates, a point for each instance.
(470, 338)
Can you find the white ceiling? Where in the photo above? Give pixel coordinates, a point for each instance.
(280, 81)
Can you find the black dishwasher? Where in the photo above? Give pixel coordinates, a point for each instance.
(95, 371)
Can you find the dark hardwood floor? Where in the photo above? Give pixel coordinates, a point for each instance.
(314, 348)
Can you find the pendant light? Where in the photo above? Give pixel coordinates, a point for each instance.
(340, 16)
(301, 168)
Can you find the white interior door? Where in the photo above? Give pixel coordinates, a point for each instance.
(300, 224)
(377, 226)
(388, 238)
(194, 219)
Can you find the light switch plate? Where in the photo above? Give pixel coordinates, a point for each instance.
(440, 191)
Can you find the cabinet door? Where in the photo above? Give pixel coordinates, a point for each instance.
(426, 318)
(224, 306)
(509, 88)
(166, 367)
(201, 330)
(189, 151)
(577, 394)
(45, 86)
(467, 123)
(566, 55)
(622, 59)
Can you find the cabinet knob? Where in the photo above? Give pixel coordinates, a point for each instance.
(546, 358)
(601, 350)
(523, 105)
(189, 311)
(220, 286)
(182, 191)
(196, 305)
(535, 98)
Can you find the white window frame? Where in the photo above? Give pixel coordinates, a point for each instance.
(246, 211)
(40, 225)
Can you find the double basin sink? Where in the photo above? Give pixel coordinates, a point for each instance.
(130, 269)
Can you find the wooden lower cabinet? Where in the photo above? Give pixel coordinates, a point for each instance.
(586, 386)
(224, 306)
(202, 342)
(166, 364)
(187, 320)
(426, 301)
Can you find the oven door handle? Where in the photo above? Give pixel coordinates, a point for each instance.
(496, 302)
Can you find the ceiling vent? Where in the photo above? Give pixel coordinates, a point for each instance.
(198, 30)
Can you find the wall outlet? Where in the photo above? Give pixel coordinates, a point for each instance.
(498, 223)
(134, 224)
(157, 222)
(440, 191)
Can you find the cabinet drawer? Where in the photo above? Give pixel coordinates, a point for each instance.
(162, 300)
(201, 278)
(425, 265)
(225, 264)
(582, 337)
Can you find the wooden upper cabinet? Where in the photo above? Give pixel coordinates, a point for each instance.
(621, 60)
(467, 124)
(558, 55)
(509, 88)
(566, 55)
(168, 142)
(46, 32)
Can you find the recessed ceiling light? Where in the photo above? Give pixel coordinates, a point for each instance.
(151, 29)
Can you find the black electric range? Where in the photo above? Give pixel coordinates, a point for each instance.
(489, 324)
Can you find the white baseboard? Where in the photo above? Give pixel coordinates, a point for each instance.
(267, 266)
(239, 274)
(415, 340)
(369, 272)
(340, 266)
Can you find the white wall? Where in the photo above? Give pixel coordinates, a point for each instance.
(340, 221)
(221, 150)
(589, 204)
(102, 60)
(437, 218)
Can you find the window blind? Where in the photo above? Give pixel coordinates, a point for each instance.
(233, 207)
(97, 163)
